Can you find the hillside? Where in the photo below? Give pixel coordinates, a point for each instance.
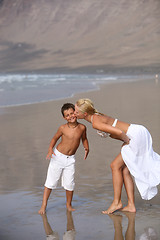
(49, 34)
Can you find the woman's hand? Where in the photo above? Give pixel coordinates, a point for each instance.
(125, 143)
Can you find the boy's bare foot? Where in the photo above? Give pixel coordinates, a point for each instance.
(129, 208)
(69, 208)
(42, 210)
(114, 207)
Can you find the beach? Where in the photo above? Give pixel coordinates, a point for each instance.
(52, 52)
(25, 135)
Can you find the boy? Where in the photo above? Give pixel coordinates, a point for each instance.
(62, 158)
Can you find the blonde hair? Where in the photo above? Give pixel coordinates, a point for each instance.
(86, 105)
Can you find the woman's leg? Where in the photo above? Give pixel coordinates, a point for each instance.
(129, 186)
(117, 177)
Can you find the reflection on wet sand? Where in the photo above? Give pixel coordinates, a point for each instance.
(117, 221)
(149, 234)
(53, 235)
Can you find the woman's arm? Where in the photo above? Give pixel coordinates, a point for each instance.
(122, 136)
(114, 132)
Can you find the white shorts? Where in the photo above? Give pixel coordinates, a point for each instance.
(61, 165)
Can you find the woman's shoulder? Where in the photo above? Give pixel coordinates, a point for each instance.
(99, 119)
(102, 118)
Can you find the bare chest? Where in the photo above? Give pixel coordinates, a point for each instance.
(72, 134)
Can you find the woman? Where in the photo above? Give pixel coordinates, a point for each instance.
(136, 157)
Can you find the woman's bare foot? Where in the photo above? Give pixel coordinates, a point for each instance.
(69, 208)
(129, 208)
(114, 207)
(42, 210)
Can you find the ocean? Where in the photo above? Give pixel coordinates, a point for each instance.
(22, 89)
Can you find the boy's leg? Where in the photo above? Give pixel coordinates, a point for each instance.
(69, 196)
(53, 175)
(46, 194)
(68, 183)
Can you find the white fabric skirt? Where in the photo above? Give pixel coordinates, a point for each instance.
(142, 162)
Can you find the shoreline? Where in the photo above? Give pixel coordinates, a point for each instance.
(95, 87)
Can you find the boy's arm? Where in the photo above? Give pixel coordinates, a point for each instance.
(85, 143)
(53, 142)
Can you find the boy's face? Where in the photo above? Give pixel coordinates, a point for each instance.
(69, 115)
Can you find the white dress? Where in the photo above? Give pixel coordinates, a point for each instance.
(142, 162)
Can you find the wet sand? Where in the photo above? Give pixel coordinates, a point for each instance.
(25, 134)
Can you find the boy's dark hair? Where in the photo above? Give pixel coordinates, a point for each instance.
(67, 106)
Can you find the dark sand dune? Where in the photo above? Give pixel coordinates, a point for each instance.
(69, 34)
